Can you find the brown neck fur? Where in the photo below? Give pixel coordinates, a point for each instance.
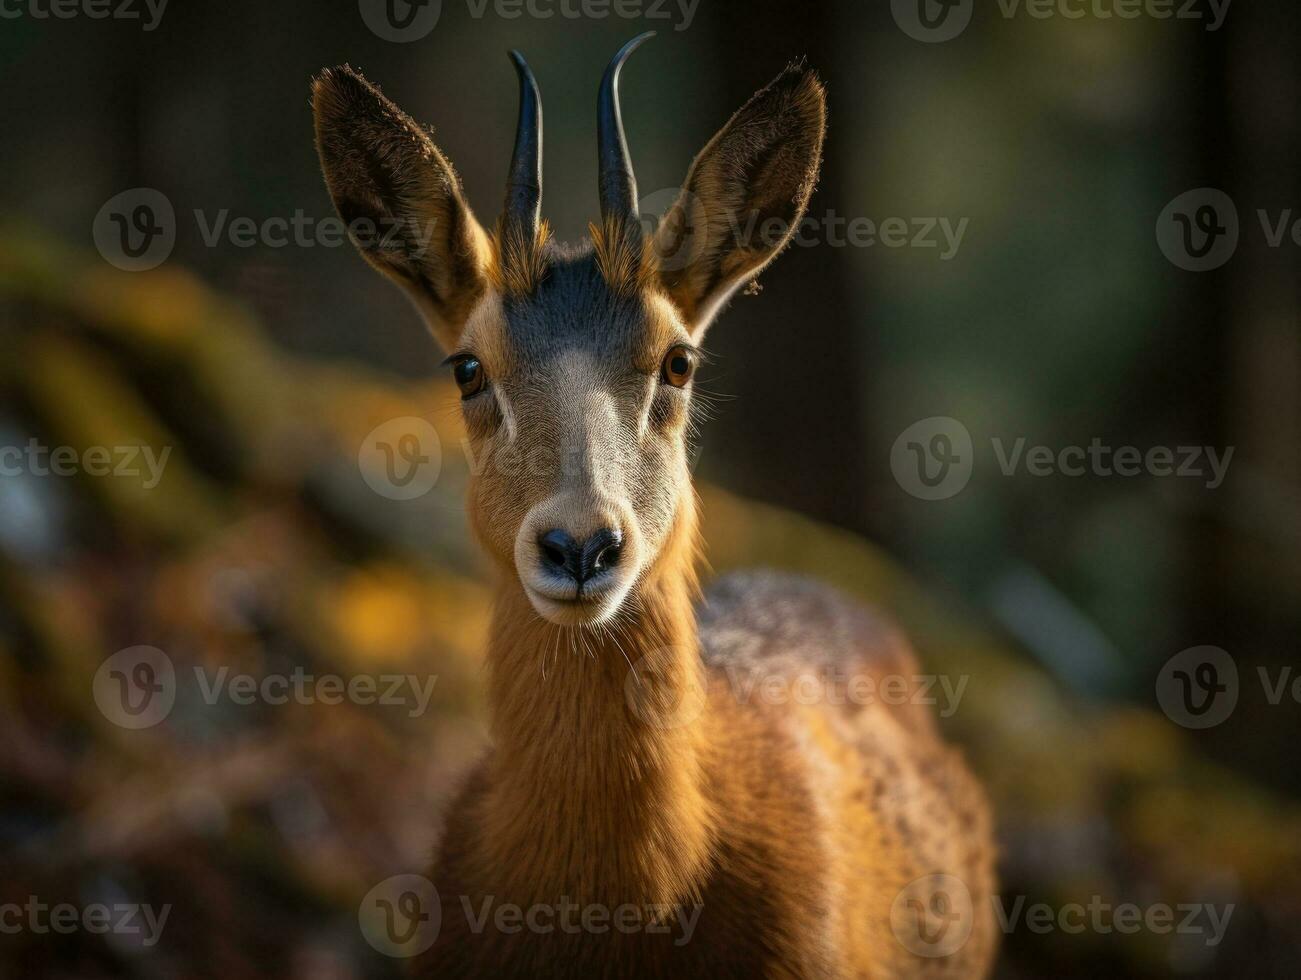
(590, 799)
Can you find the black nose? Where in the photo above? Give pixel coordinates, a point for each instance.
(565, 556)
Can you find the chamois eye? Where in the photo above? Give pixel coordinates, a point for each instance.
(469, 376)
(679, 365)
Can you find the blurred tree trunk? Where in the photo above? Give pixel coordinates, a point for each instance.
(1250, 580)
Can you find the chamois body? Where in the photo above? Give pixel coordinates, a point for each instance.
(773, 837)
(647, 809)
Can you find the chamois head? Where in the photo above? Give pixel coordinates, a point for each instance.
(575, 364)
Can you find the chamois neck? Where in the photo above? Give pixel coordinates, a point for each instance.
(596, 792)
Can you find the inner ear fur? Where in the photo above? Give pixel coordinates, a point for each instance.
(744, 196)
(402, 201)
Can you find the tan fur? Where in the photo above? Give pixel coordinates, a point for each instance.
(626, 261)
(630, 772)
(519, 261)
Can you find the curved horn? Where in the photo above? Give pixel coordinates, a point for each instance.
(524, 184)
(618, 184)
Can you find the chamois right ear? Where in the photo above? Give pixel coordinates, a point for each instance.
(401, 199)
(744, 196)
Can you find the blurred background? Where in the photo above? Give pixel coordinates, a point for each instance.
(1082, 232)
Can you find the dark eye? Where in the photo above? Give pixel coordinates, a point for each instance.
(679, 365)
(469, 376)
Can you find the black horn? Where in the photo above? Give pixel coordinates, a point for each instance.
(618, 184)
(524, 185)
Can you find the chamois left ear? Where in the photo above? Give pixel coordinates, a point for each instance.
(403, 202)
(744, 196)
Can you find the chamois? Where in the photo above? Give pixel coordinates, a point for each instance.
(650, 811)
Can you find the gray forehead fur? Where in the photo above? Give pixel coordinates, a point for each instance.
(573, 308)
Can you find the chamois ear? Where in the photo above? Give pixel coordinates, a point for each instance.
(744, 196)
(401, 199)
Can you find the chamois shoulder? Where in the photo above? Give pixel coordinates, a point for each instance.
(771, 619)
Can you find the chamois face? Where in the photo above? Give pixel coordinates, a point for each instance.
(575, 365)
(576, 400)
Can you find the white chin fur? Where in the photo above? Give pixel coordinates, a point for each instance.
(597, 609)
